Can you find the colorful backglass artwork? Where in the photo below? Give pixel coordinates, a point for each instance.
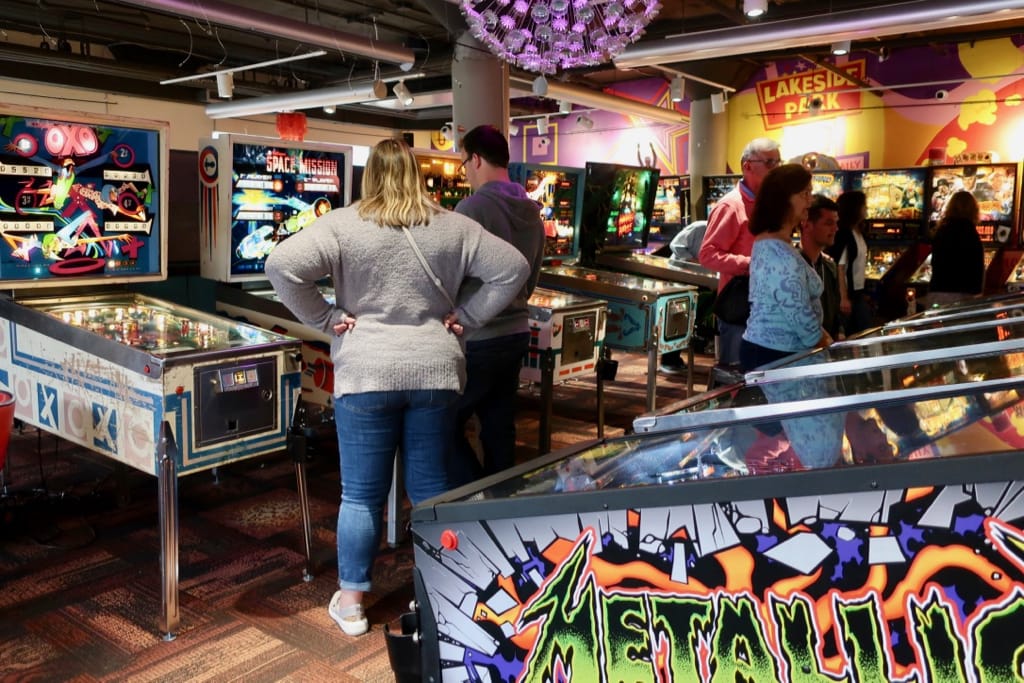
(80, 200)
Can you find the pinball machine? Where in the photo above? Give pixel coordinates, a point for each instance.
(894, 225)
(857, 518)
(152, 385)
(994, 186)
(644, 314)
(559, 190)
(671, 211)
(717, 186)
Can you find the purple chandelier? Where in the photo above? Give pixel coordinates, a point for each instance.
(558, 34)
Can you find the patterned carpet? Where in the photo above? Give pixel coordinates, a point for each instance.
(79, 559)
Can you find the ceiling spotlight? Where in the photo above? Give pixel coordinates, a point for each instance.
(402, 93)
(225, 85)
(330, 109)
(584, 121)
(841, 47)
(717, 102)
(675, 88)
(513, 128)
(564, 106)
(755, 8)
(542, 125)
(540, 86)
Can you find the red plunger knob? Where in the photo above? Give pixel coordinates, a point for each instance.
(449, 540)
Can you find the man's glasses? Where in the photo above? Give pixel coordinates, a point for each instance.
(461, 170)
(768, 163)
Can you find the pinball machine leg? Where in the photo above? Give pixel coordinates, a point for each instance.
(167, 499)
(297, 449)
(600, 394)
(689, 369)
(547, 381)
(652, 366)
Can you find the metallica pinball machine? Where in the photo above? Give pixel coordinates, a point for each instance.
(161, 388)
(861, 518)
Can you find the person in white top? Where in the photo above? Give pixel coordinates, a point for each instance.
(850, 252)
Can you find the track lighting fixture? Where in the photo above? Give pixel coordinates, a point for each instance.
(717, 102)
(584, 121)
(564, 106)
(513, 128)
(676, 87)
(542, 125)
(330, 109)
(225, 85)
(447, 132)
(755, 8)
(402, 93)
(841, 47)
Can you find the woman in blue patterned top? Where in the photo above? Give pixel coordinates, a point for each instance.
(785, 292)
(785, 318)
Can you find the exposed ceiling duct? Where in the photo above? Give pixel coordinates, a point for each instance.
(247, 19)
(596, 100)
(825, 28)
(306, 99)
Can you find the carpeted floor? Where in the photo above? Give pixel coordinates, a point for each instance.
(79, 559)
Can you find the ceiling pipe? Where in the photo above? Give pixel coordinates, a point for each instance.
(596, 99)
(825, 28)
(246, 19)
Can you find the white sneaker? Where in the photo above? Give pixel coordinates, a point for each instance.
(351, 619)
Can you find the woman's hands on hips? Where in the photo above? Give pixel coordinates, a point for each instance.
(347, 323)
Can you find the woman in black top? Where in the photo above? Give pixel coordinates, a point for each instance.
(958, 259)
(850, 253)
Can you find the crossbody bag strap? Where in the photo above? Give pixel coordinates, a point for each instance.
(426, 266)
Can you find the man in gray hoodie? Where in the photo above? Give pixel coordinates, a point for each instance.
(494, 353)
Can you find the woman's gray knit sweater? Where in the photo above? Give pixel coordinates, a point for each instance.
(398, 342)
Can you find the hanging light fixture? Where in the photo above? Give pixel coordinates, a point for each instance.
(558, 34)
(841, 47)
(542, 125)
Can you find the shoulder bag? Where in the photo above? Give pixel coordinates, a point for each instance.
(733, 303)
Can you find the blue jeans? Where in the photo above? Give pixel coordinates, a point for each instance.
(492, 381)
(371, 427)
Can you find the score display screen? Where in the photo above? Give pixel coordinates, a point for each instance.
(896, 194)
(275, 192)
(78, 200)
(993, 186)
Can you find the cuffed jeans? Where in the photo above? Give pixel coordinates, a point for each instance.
(492, 382)
(371, 427)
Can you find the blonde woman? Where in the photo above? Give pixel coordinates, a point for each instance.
(398, 362)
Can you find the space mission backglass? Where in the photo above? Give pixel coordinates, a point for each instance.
(80, 200)
(256, 192)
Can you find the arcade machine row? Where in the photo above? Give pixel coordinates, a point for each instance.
(644, 314)
(443, 176)
(994, 186)
(566, 330)
(715, 187)
(729, 525)
(672, 209)
(895, 223)
(159, 387)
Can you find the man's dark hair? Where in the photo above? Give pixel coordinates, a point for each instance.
(488, 143)
(818, 204)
